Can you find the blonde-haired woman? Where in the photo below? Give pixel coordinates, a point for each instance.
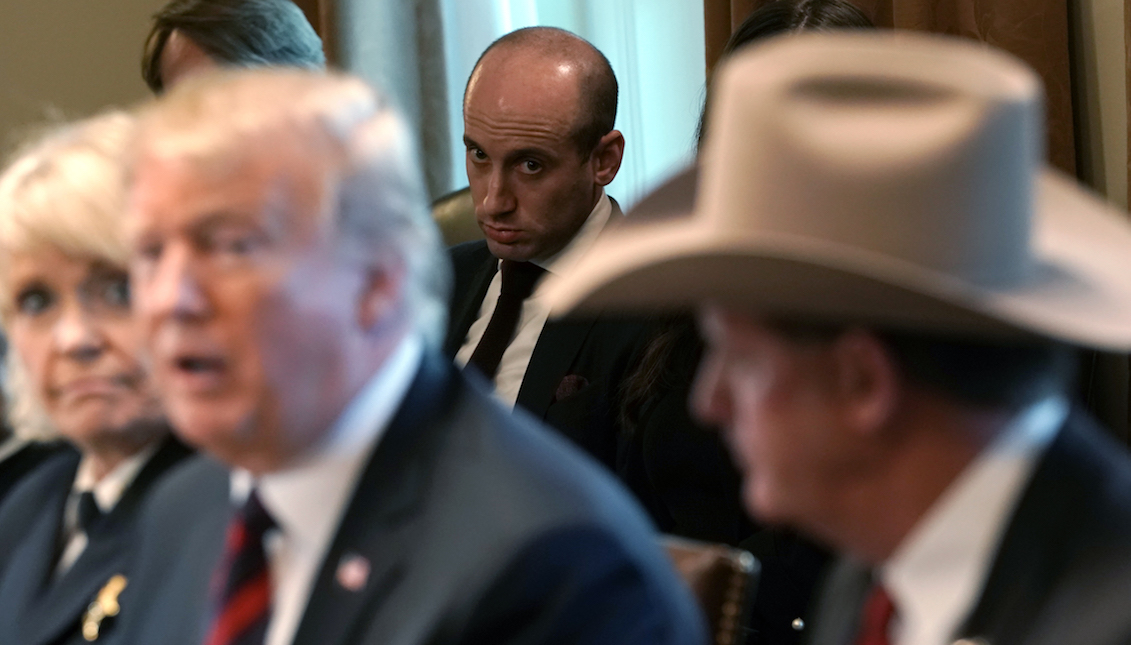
(73, 361)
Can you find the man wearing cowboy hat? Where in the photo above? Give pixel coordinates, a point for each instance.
(889, 285)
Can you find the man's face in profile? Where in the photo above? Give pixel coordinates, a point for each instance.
(243, 302)
(777, 402)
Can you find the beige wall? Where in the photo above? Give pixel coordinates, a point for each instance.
(68, 58)
(1101, 95)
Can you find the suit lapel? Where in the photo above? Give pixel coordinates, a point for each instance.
(1037, 540)
(63, 601)
(473, 277)
(841, 604)
(553, 355)
(365, 559)
(31, 566)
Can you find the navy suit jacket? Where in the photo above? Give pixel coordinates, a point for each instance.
(478, 526)
(1063, 571)
(678, 470)
(36, 609)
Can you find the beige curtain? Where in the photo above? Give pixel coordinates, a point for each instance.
(1034, 30)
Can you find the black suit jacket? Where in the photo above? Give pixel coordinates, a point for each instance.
(1063, 571)
(36, 609)
(679, 471)
(24, 460)
(478, 528)
(596, 354)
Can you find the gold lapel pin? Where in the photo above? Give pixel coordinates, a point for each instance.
(105, 606)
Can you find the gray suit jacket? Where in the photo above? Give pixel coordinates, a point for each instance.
(1062, 574)
(479, 527)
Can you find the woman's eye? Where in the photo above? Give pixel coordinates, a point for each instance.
(116, 292)
(34, 301)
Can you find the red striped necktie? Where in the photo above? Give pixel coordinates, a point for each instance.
(242, 586)
(878, 612)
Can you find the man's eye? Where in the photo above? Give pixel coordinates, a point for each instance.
(238, 244)
(531, 166)
(149, 251)
(34, 301)
(477, 154)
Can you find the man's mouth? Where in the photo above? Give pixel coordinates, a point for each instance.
(198, 373)
(502, 235)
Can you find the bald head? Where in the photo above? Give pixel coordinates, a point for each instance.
(569, 58)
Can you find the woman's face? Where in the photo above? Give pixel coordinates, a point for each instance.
(69, 320)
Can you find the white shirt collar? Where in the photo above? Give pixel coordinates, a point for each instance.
(109, 490)
(562, 262)
(306, 499)
(937, 573)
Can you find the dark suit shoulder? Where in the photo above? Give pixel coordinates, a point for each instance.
(181, 537)
(50, 482)
(25, 460)
(556, 516)
(1064, 564)
(598, 592)
(469, 253)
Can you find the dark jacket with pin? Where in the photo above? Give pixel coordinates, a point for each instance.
(36, 608)
(1063, 570)
(467, 525)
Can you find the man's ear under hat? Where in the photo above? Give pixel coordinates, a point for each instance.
(887, 179)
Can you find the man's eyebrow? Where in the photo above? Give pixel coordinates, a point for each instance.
(523, 153)
(217, 219)
(467, 141)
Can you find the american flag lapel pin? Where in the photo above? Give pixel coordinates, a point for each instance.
(353, 572)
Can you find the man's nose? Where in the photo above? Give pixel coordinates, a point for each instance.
(499, 199)
(174, 290)
(710, 397)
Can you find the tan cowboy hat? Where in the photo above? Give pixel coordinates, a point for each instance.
(885, 179)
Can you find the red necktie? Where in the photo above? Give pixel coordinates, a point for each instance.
(518, 282)
(242, 587)
(878, 612)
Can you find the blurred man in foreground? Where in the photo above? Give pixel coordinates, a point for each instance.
(888, 281)
(292, 291)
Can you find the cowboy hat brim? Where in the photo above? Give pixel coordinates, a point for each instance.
(1079, 292)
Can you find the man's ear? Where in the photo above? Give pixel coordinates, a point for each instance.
(607, 156)
(868, 381)
(379, 295)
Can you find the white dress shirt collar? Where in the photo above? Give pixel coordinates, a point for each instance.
(107, 493)
(307, 501)
(108, 490)
(937, 573)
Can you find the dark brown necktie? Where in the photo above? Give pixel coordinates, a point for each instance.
(518, 283)
(876, 621)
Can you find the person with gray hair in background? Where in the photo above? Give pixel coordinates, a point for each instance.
(189, 36)
(292, 290)
(75, 370)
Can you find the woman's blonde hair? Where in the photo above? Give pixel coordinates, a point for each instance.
(64, 190)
